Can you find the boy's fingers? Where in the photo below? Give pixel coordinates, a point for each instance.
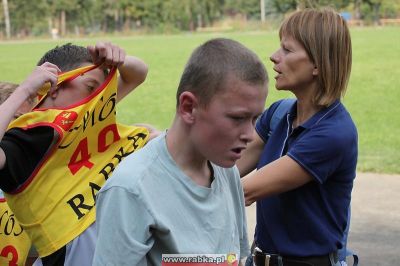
(93, 53)
(118, 55)
(103, 54)
(48, 64)
(52, 78)
(108, 57)
(53, 75)
(49, 73)
(114, 55)
(51, 67)
(122, 55)
(53, 86)
(97, 53)
(107, 54)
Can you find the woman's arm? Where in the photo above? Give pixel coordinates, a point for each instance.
(279, 176)
(250, 155)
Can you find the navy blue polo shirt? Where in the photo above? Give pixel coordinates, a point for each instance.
(309, 220)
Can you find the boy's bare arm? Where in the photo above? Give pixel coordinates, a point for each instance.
(46, 72)
(133, 71)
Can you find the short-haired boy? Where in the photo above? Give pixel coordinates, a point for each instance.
(181, 193)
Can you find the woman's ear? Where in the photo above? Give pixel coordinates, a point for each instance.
(315, 71)
(188, 102)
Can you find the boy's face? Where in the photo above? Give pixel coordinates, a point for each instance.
(223, 129)
(74, 91)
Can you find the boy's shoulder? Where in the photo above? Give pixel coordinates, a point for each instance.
(131, 171)
(228, 176)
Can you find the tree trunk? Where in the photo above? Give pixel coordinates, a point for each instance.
(63, 25)
(300, 4)
(116, 20)
(357, 9)
(262, 9)
(377, 7)
(7, 19)
(127, 24)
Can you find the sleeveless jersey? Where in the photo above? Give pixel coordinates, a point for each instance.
(14, 242)
(56, 203)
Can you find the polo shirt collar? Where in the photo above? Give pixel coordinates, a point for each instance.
(316, 117)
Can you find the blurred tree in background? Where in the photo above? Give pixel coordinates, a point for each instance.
(22, 18)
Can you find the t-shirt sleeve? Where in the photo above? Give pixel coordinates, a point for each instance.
(241, 215)
(123, 228)
(321, 151)
(24, 149)
(244, 241)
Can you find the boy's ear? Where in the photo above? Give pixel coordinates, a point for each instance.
(53, 94)
(188, 102)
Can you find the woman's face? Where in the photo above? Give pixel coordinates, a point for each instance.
(294, 68)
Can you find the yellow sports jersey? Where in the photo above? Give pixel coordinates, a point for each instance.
(56, 203)
(14, 242)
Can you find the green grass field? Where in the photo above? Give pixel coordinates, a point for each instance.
(373, 95)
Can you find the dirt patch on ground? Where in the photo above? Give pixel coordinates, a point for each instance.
(375, 223)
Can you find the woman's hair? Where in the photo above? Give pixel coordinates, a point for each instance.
(326, 38)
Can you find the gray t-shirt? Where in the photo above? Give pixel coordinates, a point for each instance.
(150, 207)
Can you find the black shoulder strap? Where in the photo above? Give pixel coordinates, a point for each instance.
(279, 113)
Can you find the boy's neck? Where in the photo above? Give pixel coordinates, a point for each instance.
(185, 155)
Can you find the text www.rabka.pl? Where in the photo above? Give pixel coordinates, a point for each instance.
(193, 259)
